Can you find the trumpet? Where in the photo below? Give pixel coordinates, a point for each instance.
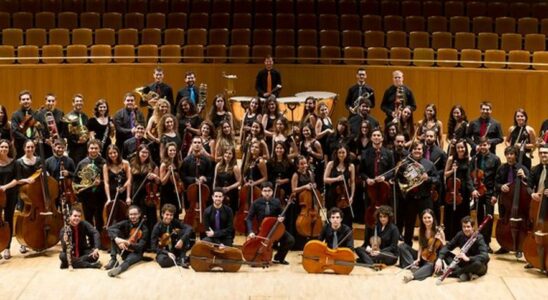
(147, 95)
(75, 126)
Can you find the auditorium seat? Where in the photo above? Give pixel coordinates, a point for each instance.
(76, 6)
(239, 54)
(527, 25)
(326, 6)
(393, 23)
(285, 21)
(134, 20)
(35, 36)
(330, 55)
(5, 20)
(262, 37)
(540, 60)
(349, 22)
(54, 6)
(118, 6)
(415, 23)
(432, 8)
(219, 20)
(400, 56)
(177, 20)
(196, 36)
(198, 20)
(419, 39)
(124, 54)
(284, 54)
(67, 19)
(156, 20)
(147, 54)
(441, 40)
(193, 54)
(305, 6)
(307, 55)
(137, 6)
(411, 8)
(520, 9)
(476, 9)
(241, 36)
(437, 23)
(353, 55)
(22, 20)
(174, 36)
(151, 36)
(32, 6)
(495, 59)
(77, 54)
(91, 20)
(482, 24)
(377, 56)
(27, 54)
(180, 6)
(390, 7)
(100, 54)
(95, 6)
(372, 22)
(519, 59)
(459, 24)
(396, 39)
(374, 39)
(82, 36)
(283, 6)
(59, 36)
(241, 20)
(306, 21)
(447, 57)
(200, 6)
(105, 36)
(470, 58)
(128, 36)
(284, 37)
(158, 6)
(12, 37)
(112, 20)
(352, 38)
(423, 57)
(331, 22)
(487, 41)
(263, 21)
(170, 54)
(454, 8)
(45, 20)
(497, 9)
(259, 52)
(347, 6)
(307, 37)
(511, 41)
(223, 6)
(465, 40)
(505, 25)
(218, 36)
(330, 38)
(7, 54)
(535, 42)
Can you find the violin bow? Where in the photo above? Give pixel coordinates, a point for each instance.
(345, 237)
(143, 219)
(176, 190)
(348, 197)
(114, 201)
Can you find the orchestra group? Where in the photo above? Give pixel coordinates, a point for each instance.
(120, 181)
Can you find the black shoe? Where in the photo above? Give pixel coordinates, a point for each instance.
(490, 251)
(64, 265)
(519, 254)
(110, 264)
(115, 272)
(185, 262)
(528, 266)
(464, 277)
(501, 251)
(95, 265)
(280, 262)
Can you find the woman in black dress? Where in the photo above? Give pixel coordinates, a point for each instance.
(251, 115)
(228, 176)
(225, 139)
(144, 172)
(457, 126)
(521, 132)
(220, 112)
(339, 175)
(207, 134)
(169, 171)
(5, 128)
(168, 133)
(117, 176)
(100, 126)
(8, 182)
(323, 128)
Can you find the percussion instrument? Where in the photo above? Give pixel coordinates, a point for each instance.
(327, 97)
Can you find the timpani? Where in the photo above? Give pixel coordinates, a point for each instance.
(286, 103)
(327, 97)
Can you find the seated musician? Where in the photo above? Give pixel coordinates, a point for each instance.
(421, 265)
(178, 239)
(335, 233)
(121, 235)
(267, 206)
(473, 263)
(383, 246)
(218, 221)
(537, 181)
(84, 240)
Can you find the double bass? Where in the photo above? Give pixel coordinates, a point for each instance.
(309, 222)
(477, 176)
(4, 226)
(453, 184)
(40, 222)
(247, 195)
(206, 257)
(535, 245)
(512, 226)
(197, 195)
(113, 211)
(379, 194)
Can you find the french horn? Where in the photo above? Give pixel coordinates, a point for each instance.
(75, 127)
(87, 176)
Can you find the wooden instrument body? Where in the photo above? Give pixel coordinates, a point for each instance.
(152, 198)
(206, 257)
(317, 258)
(451, 186)
(512, 225)
(477, 177)
(117, 210)
(379, 194)
(259, 248)
(4, 226)
(246, 200)
(194, 214)
(309, 222)
(535, 245)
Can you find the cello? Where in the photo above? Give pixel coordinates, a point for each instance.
(113, 211)
(453, 195)
(535, 245)
(512, 225)
(206, 257)
(259, 248)
(379, 193)
(343, 197)
(152, 198)
(309, 222)
(66, 186)
(40, 222)
(247, 195)
(197, 195)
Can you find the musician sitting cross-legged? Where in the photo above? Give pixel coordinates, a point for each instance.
(218, 221)
(335, 233)
(170, 239)
(383, 245)
(83, 238)
(473, 263)
(129, 238)
(267, 206)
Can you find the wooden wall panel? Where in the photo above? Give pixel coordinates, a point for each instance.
(507, 89)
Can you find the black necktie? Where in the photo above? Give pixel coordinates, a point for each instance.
(335, 240)
(267, 209)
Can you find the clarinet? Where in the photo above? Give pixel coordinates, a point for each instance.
(464, 249)
(67, 233)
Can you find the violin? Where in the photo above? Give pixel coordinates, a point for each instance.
(66, 186)
(379, 193)
(113, 211)
(512, 227)
(477, 176)
(535, 246)
(206, 256)
(453, 195)
(40, 222)
(430, 253)
(166, 239)
(309, 222)
(259, 248)
(152, 198)
(135, 234)
(28, 122)
(318, 257)
(4, 226)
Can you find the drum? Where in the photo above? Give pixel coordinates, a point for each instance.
(284, 104)
(327, 97)
(238, 106)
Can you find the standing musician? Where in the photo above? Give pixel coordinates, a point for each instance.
(309, 116)
(228, 177)
(49, 107)
(361, 115)
(92, 195)
(431, 239)
(53, 163)
(280, 169)
(340, 175)
(162, 89)
(138, 139)
(268, 80)
(323, 127)
(418, 198)
(8, 181)
(220, 112)
(473, 263)
(267, 206)
(168, 133)
(129, 241)
(145, 180)
(126, 119)
(438, 157)
(197, 166)
(189, 121)
(100, 126)
(257, 133)
(252, 114)
(254, 167)
(359, 90)
(341, 135)
(85, 243)
(77, 139)
(117, 170)
(399, 153)
(218, 221)
(396, 97)
(22, 125)
(506, 175)
(335, 233)
(5, 124)
(189, 91)
(457, 126)
(207, 134)
(521, 132)
(161, 109)
(484, 126)
(537, 180)
(170, 191)
(430, 122)
(458, 165)
(488, 163)
(383, 246)
(225, 140)
(271, 113)
(312, 150)
(170, 239)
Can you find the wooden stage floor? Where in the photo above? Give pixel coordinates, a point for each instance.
(39, 277)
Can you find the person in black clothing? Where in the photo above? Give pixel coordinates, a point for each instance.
(189, 91)
(5, 129)
(49, 106)
(126, 119)
(387, 236)
(120, 234)
(537, 182)
(53, 163)
(197, 166)
(418, 198)
(8, 180)
(18, 120)
(508, 174)
(358, 91)
(131, 145)
(520, 133)
(473, 263)
(218, 220)
(179, 239)
(489, 163)
(269, 80)
(267, 206)
(543, 133)
(77, 142)
(336, 234)
(361, 115)
(438, 157)
(162, 89)
(484, 126)
(396, 97)
(85, 242)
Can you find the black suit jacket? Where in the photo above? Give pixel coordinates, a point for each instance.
(354, 93)
(185, 92)
(387, 105)
(328, 233)
(88, 237)
(260, 81)
(165, 91)
(367, 163)
(227, 220)
(494, 134)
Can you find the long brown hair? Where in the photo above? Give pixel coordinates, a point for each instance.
(423, 241)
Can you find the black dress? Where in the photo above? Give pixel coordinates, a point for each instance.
(168, 194)
(218, 119)
(224, 179)
(139, 198)
(517, 139)
(7, 174)
(100, 130)
(323, 139)
(25, 171)
(330, 200)
(115, 180)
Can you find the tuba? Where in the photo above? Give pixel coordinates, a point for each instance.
(413, 177)
(87, 176)
(146, 95)
(75, 127)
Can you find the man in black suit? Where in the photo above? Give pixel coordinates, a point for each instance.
(397, 97)
(126, 120)
(269, 80)
(218, 221)
(161, 88)
(438, 157)
(484, 126)
(131, 145)
(48, 128)
(355, 122)
(190, 90)
(360, 89)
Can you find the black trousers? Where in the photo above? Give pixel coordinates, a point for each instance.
(412, 207)
(486, 208)
(386, 259)
(84, 261)
(93, 202)
(408, 255)
(286, 242)
(165, 261)
(129, 258)
(473, 267)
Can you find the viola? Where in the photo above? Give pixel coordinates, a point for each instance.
(512, 227)
(206, 256)
(379, 194)
(66, 186)
(197, 195)
(309, 222)
(113, 211)
(535, 246)
(430, 253)
(166, 238)
(39, 223)
(4, 226)
(477, 176)
(152, 198)
(135, 234)
(28, 122)
(259, 248)
(452, 193)
(248, 194)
